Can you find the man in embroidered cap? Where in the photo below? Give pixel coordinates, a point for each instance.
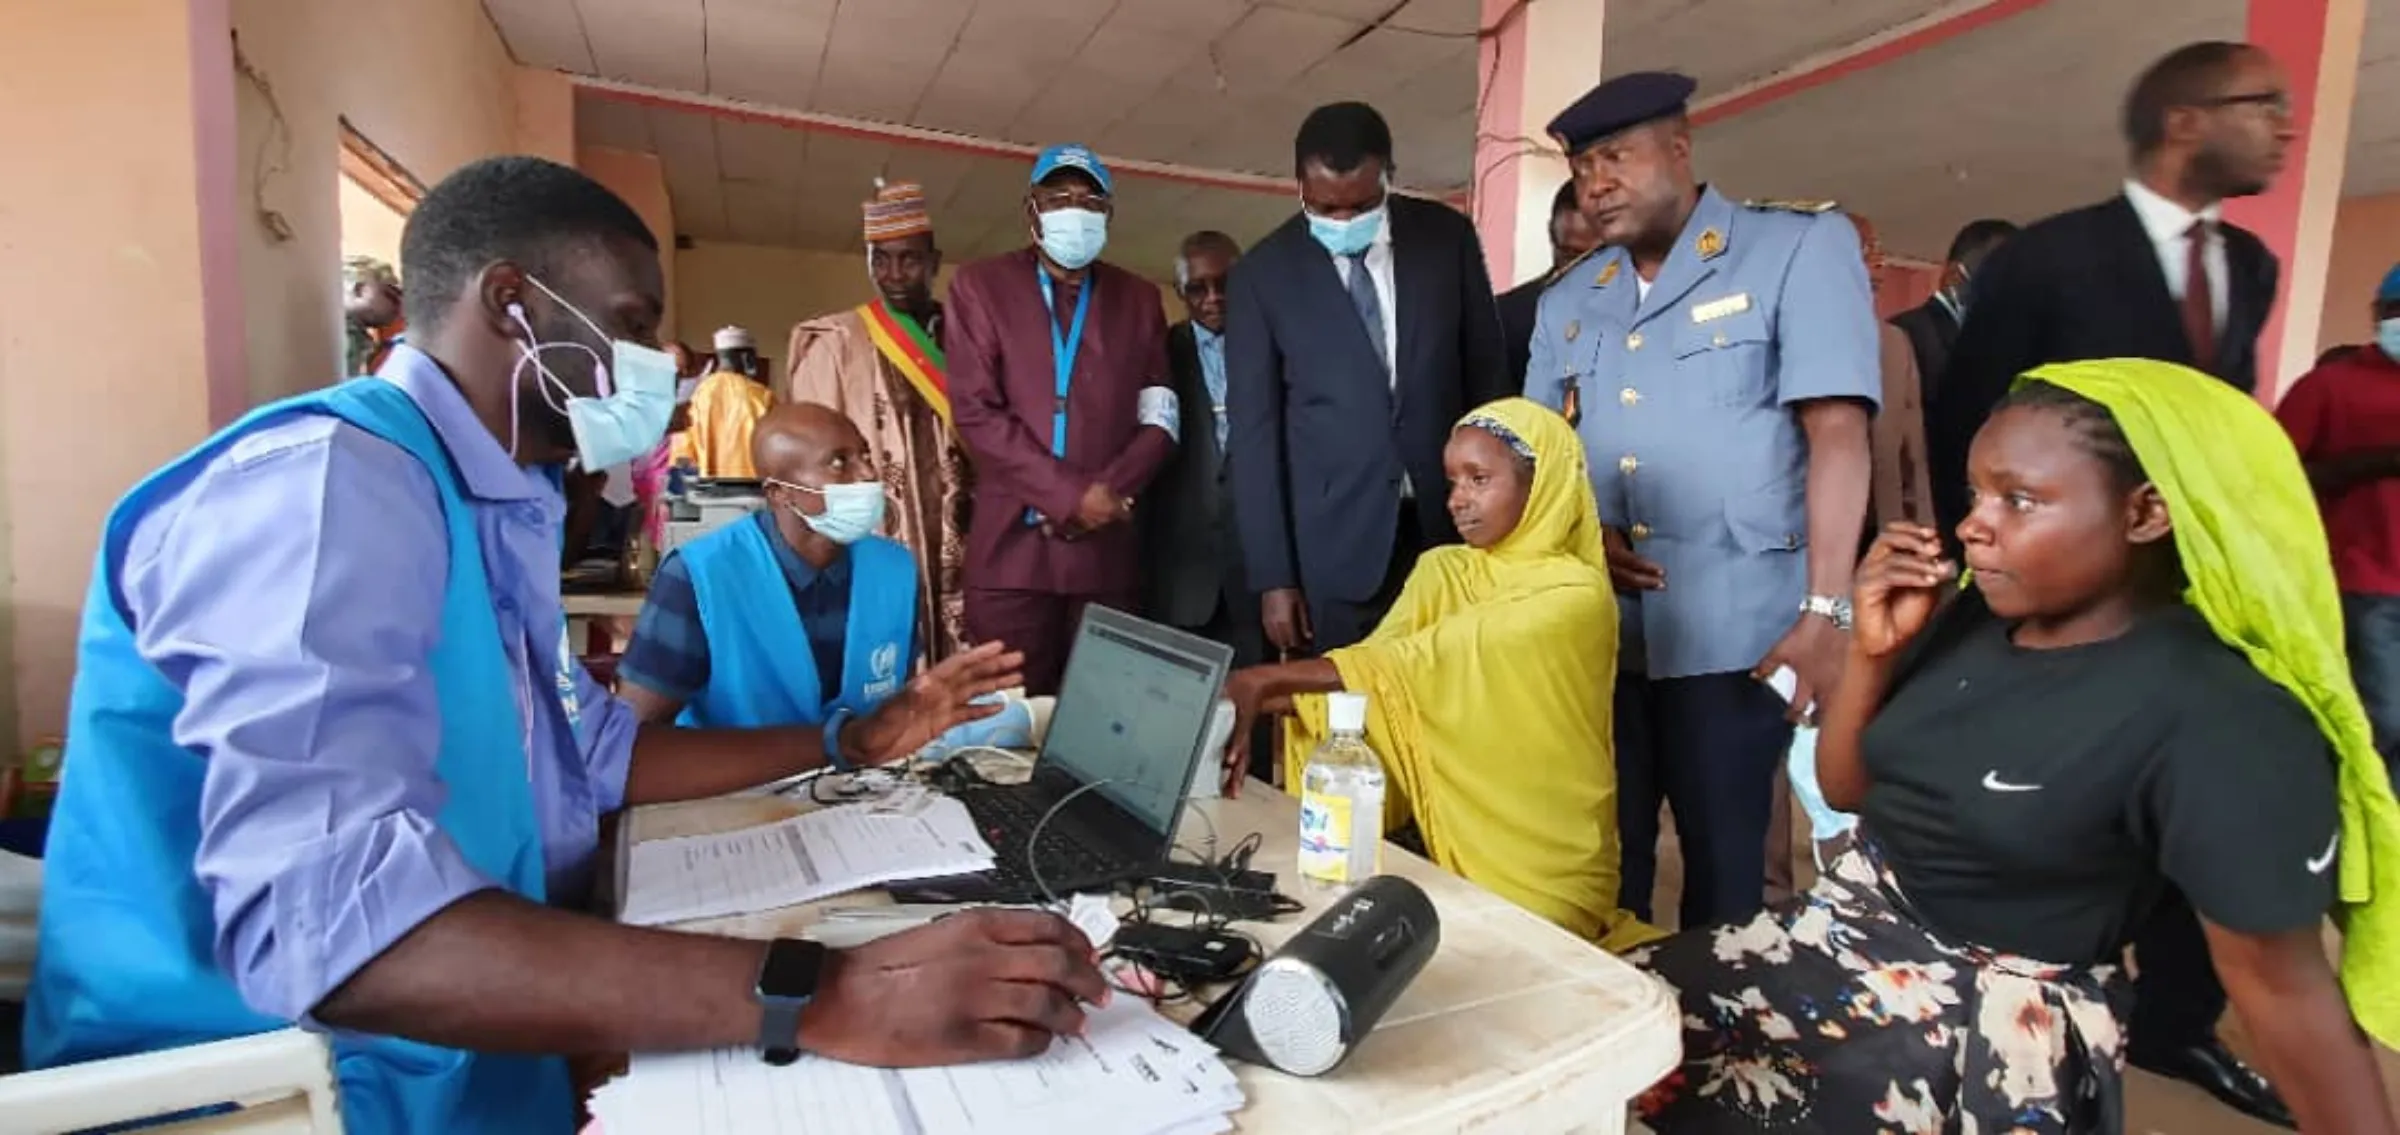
(1720, 363)
(370, 312)
(881, 364)
(726, 408)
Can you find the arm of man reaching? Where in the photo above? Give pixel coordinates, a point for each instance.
(289, 593)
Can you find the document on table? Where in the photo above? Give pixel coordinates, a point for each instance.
(808, 857)
(1132, 1073)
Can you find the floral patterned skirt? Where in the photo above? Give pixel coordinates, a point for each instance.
(1840, 1012)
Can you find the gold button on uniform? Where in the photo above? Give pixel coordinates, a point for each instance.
(1629, 396)
(1627, 465)
(1633, 342)
(1640, 532)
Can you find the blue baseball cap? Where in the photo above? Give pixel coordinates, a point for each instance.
(2390, 290)
(1076, 157)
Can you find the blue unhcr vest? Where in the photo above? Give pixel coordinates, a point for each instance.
(126, 962)
(761, 672)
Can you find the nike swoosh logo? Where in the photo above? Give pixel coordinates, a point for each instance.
(2318, 865)
(1992, 781)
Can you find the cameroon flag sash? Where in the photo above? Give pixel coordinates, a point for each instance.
(912, 352)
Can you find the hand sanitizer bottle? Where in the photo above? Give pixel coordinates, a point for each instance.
(1341, 802)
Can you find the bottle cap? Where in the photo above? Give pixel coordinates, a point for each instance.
(1347, 712)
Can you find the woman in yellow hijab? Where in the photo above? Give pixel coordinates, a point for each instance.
(1488, 683)
(2141, 692)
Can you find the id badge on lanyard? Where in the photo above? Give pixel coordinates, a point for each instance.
(1063, 349)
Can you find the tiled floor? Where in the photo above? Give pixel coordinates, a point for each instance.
(2154, 1106)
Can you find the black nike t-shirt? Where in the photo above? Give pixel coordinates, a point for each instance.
(2038, 802)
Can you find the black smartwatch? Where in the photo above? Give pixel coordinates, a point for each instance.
(786, 980)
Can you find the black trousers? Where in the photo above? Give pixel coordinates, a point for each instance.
(2177, 999)
(1338, 623)
(1708, 747)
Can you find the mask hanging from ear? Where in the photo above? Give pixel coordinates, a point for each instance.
(634, 392)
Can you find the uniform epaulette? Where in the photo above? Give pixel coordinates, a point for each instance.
(1560, 272)
(1781, 206)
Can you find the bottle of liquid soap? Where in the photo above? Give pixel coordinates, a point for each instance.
(1341, 802)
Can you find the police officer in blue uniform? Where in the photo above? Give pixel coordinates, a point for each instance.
(1719, 361)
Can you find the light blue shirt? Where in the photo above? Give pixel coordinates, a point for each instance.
(292, 591)
(1688, 390)
(1212, 373)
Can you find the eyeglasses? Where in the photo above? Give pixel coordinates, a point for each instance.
(1052, 200)
(1198, 288)
(2277, 103)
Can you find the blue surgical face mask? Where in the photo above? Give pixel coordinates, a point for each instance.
(2387, 338)
(634, 399)
(1073, 238)
(1347, 237)
(853, 510)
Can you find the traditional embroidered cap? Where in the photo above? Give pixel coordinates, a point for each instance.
(363, 269)
(735, 339)
(1072, 156)
(1625, 101)
(2390, 290)
(897, 211)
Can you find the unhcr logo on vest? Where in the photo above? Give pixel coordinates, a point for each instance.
(885, 665)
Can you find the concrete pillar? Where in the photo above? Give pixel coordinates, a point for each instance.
(2317, 42)
(120, 317)
(1540, 57)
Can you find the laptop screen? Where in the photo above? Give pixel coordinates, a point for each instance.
(1131, 711)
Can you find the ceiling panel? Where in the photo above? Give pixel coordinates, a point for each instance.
(1726, 43)
(1191, 20)
(978, 94)
(767, 50)
(1270, 47)
(612, 122)
(658, 42)
(542, 33)
(2374, 165)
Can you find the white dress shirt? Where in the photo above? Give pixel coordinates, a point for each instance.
(2170, 228)
(1379, 269)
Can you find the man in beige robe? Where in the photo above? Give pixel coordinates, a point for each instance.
(881, 364)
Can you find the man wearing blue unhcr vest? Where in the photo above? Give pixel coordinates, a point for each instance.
(1720, 362)
(331, 763)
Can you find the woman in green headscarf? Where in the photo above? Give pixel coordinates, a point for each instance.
(2144, 688)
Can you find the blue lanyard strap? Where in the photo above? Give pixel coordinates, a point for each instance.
(1062, 353)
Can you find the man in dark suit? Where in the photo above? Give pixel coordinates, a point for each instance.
(1191, 561)
(1932, 327)
(1571, 239)
(1357, 334)
(2151, 273)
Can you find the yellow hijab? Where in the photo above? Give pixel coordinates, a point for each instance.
(2253, 548)
(1489, 698)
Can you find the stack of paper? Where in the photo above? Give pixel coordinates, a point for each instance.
(802, 859)
(1132, 1073)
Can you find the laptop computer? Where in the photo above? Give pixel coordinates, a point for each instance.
(1125, 741)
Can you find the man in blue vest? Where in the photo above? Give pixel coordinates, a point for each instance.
(331, 763)
(715, 645)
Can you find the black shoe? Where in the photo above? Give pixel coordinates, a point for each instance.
(2213, 1068)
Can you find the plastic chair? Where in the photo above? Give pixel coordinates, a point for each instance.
(280, 1083)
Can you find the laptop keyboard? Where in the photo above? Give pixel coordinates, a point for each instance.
(1007, 819)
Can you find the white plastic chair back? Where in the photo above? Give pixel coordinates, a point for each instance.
(282, 1082)
(20, 904)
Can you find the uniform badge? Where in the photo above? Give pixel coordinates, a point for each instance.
(1734, 304)
(1710, 245)
(1574, 328)
(1608, 275)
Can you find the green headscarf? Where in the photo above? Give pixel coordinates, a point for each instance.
(2254, 552)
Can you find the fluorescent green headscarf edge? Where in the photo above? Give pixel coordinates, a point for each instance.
(2253, 548)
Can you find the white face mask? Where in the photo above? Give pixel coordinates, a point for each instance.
(853, 510)
(635, 399)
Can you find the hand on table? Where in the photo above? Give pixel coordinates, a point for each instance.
(1248, 696)
(1283, 614)
(979, 985)
(933, 702)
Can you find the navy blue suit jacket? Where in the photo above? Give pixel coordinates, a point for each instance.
(1319, 436)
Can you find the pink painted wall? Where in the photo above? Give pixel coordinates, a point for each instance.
(2366, 243)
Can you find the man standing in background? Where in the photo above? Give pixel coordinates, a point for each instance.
(2153, 273)
(1571, 239)
(371, 319)
(881, 365)
(1192, 570)
(1719, 360)
(726, 407)
(1932, 326)
(1358, 333)
(1058, 378)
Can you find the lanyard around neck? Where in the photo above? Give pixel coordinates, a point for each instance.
(1062, 352)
